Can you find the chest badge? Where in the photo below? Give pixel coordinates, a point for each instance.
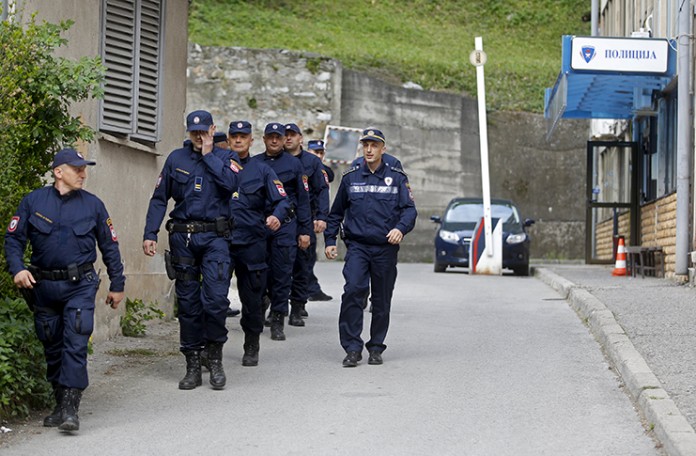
(388, 180)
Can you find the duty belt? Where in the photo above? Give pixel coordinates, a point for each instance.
(222, 226)
(191, 227)
(73, 272)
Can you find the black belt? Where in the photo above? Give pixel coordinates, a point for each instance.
(190, 227)
(72, 272)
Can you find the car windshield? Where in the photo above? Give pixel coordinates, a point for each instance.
(465, 214)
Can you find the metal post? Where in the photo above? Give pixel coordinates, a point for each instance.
(684, 129)
(483, 139)
(594, 17)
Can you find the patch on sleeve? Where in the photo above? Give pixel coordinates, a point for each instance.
(281, 189)
(410, 193)
(13, 224)
(159, 181)
(111, 228)
(305, 183)
(326, 176)
(236, 167)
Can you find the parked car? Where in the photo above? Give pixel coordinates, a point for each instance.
(453, 236)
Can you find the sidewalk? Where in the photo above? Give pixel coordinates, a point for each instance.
(647, 328)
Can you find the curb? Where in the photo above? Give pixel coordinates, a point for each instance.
(670, 427)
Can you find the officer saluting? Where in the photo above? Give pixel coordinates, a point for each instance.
(201, 179)
(63, 224)
(375, 205)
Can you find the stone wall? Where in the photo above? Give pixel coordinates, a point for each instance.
(434, 134)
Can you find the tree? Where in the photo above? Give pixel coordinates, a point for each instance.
(36, 91)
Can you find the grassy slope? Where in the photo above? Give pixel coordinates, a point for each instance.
(424, 41)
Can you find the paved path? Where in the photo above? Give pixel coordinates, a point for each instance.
(476, 365)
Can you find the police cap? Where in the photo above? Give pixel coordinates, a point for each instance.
(70, 157)
(199, 121)
(372, 134)
(315, 144)
(274, 127)
(239, 126)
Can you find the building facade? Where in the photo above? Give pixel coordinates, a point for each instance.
(640, 150)
(143, 44)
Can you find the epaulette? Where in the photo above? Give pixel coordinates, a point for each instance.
(350, 170)
(398, 170)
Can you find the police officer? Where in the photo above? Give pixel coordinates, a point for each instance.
(318, 183)
(259, 204)
(294, 232)
(375, 205)
(200, 178)
(63, 223)
(314, 291)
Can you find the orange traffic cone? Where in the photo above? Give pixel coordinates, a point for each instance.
(620, 268)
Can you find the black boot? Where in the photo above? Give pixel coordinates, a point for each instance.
(277, 326)
(295, 314)
(192, 378)
(204, 358)
(217, 373)
(68, 410)
(251, 350)
(54, 419)
(303, 312)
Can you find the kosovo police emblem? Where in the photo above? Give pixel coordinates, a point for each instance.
(588, 53)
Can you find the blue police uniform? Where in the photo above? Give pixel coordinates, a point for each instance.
(282, 244)
(369, 205)
(63, 231)
(201, 186)
(260, 191)
(319, 204)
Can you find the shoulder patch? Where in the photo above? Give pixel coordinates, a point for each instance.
(350, 170)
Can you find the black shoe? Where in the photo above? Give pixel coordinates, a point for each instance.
(303, 311)
(351, 359)
(277, 325)
(54, 419)
(320, 296)
(233, 312)
(375, 358)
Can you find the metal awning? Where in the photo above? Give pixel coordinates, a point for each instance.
(608, 78)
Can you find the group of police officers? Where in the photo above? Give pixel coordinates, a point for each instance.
(256, 217)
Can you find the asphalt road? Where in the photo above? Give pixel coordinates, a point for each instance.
(475, 365)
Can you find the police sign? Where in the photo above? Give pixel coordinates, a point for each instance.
(632, 55)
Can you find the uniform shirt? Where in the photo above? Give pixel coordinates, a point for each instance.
(387, 159)
(259, 190)
(62, 230)
(318, 182)
(291, 174)
(370, 205)
(201, 186)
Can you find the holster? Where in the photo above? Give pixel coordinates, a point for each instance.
(168, 266)
(29, 295)
(222, 226)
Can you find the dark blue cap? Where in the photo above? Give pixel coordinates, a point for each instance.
(70, 157)
(315, 144)
(219, 137)
(274, 127)
(372, 134)
(199, 121)
(240, 126)
(293, 127)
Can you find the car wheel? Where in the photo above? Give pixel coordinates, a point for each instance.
(440, 267)
(521, 271)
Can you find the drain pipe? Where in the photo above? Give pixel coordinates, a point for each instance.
(684, 129)
(594, 18)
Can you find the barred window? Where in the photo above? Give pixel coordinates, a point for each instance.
(132, 32)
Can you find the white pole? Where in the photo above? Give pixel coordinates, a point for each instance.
(483, 139)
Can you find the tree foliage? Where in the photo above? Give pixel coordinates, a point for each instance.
(37, 89)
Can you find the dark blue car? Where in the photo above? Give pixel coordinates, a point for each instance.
(453, 237)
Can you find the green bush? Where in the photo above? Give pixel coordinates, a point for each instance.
(36, 91)
(137, 313)
(23, 384)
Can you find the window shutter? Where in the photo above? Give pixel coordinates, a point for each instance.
(148, 69)
(119, 36)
